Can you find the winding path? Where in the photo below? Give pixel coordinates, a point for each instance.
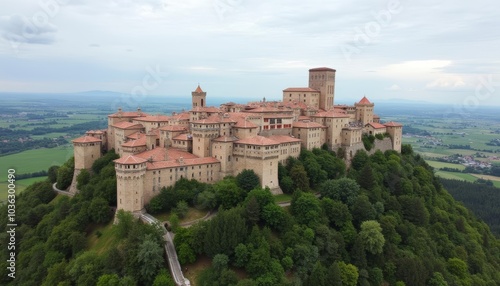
(173, 261)
(65, 193)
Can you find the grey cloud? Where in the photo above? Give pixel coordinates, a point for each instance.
(21, 29)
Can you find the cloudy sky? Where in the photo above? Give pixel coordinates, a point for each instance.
(437, 51)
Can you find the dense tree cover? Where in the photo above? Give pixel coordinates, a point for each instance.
(481, 199)
(52, 237)
(386, 221)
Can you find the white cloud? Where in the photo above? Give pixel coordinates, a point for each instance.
(394, 87)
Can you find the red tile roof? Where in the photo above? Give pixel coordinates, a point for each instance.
(127, 125)
(198, 89)
(153, 118)
(141, 141)
(284, 139)
(376, 125)
(160, 154)
(184, 137)
(393, 124)
(243, 123)
(310, 124)
(258, 140)
(364, 100)
(130, 159)
(173, 128)
(331, 114)
(322, 69)
(128, 114)
(300, 89)
(86, 139)
(185, 163)
(226, 139)
(206, 121)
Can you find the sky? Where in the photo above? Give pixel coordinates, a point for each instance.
(435, 51)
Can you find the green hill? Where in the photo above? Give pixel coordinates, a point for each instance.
(386, 220)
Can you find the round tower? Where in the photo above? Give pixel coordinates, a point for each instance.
(130, 173)
(86, 150)
(199, 97)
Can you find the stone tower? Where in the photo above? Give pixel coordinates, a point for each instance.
(323, 80)
(395, 130)
(130, 174)
(199, 97)
(204, 131)
(364, 111)
(86, 150)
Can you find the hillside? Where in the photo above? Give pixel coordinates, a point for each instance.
(385, 221)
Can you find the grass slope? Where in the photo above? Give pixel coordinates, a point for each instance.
(36, 160)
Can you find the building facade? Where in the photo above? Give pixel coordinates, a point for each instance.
(209, 143)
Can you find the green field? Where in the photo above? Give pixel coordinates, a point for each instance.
(21, 185)
(456, 176)
(36, 160)
(437, 165)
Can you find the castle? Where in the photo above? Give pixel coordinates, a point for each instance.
(209, 143)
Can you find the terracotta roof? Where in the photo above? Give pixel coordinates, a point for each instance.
(130, 159)
(258, 140)
(185, 162)
(198, 89)
(184, 137)
(330, 113)
(277, 115)
(86, 139)
(364, 100)
(135, 143)
(209, 109)
(284, 139)
(310, 124)
(301, 89)
(376, 125)
(322, 69)
(181, 116)
(302, 117)
(160, 154)
(226, 139)
(206, 121)
(127, 125)
(153, 118)
(243, 123)
(135, 135)
(261, 109)
(173, 128)
(128, 114)
(393, 124)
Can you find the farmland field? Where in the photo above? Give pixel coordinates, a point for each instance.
(21, 185)
(438, 165)
(36, 160)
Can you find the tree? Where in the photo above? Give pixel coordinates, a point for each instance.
(163, 279)
(181, 209)
(125, 222)
(186, 254)
(286, 185)
(274, 216)
(457, 267)
(359, 160)
(437, 279)
(334, 275)
(349, 274)
(252, 210)
(82, 179)
(318, 276)
(207, 200)
(372, 237)
(248, 180)
(241, 255)
(64, 177)
(337, 212)
(228, 193)
(306, 209)
(150, 258)
(108, 280)
(99, 210)
(52, 173)
(224, 232)
(344, 190)
(299, 177)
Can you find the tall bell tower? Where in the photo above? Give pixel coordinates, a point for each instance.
(199, 97)
(323, 80)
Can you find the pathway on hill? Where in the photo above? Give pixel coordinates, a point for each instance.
(173, 261)
(65, 193)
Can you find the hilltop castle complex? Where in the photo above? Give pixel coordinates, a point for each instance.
(209, 143)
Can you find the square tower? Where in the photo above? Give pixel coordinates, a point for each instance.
(199, 97)
(323, 80)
